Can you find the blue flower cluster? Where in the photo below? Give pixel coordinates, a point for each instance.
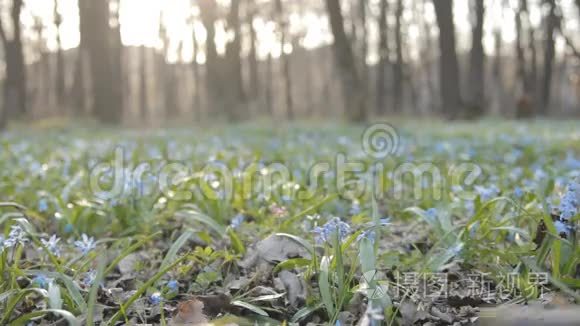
(16, 236)
(570, 203)
(330, 229)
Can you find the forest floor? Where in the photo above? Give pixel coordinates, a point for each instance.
(417, 223)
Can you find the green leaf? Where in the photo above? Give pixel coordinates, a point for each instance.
(300, 241)
(324, 285)
(175, 247)
(202, 218)
(304, 312)
(250, 307)
(292, 264)
(70, 318)
(236, 242)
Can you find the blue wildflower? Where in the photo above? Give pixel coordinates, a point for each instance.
(367, 234)
(456, 249)
(518, 192)
(89, 278)
(52, 245)
(354, 208)
(330, 229)
(237, 221)
(173, 286)
(432, 215)
(16, 236)
(86, 244)
(570, 202)
(41, 281)
(42, 205)
(487, 193)
(69, 228)
(563, 229)
(155, 298)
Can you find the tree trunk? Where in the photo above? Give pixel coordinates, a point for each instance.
(383, 58)
(59, 77)
(398, 66)
(362, 7)
(208, 13)
(285, 58)
(79, 87)
(106, 105)
(143, 93)
(268, 82)
(197, 110)
(448, 64)
(15, 103)
(254, 88)
(233, 54)
(476, 64)
(352, 88)
(549, 53)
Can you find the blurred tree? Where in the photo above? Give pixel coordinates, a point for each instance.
(362, 8)
(383, 52)
(525, 68)
(476, 62)
(285, 57)
(197, 85)
(237, 99)
(254, 83)
(143, 97)
(79, 86)
(398, 66)
(106, 102)
(208, 14)
(551, 24)
(448, 64)
(268, 81)
(15, 104)
(166, 73)
(352, 88)
(59, 74)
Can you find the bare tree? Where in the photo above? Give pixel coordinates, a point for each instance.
(106, 104)
(254, 87)
(208, 11)
(383, 57)
(196, 77)
(233, 57)
(476, 63)
(285, 57)
(551, 22)
(15, 103)
(143, 93)
(526, 65)
(352, 87)
(59, 75)
(166, 74)
(398, 66)
(448, 64)
(79, 87)
(362, 7)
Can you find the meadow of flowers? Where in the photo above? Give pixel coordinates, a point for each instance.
(201, 236)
